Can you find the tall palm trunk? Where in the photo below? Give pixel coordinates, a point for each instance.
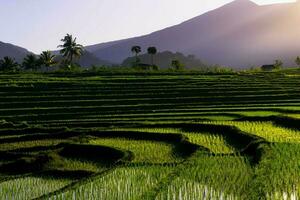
(71, 59)
(152, 60)
(136, 59)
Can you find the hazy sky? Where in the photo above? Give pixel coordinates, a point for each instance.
(39, 24)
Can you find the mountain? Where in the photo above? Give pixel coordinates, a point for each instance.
(240, 34)
(12, 51)
(164, 60)
(87, 59)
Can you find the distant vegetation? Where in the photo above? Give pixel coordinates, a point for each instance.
(151, 61)
(70, 50)
(164, 60)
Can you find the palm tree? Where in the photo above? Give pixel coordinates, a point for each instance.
(136, 50)
(8, 64)
(47, 59)
(70, 49)
(152, 51)
(297, 61)
(31, 62)
(278, 64)
(177, 65)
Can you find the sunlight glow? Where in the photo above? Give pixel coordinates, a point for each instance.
(265, 2)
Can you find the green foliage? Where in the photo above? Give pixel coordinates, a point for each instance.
(206, 177)
(163, 60)
(8, 64)
(143, 151)
(177, 65)
(47, 59)
(31, 62)
(297, 61)
(136, 50)
(30, 187)
(278, 64)
(70, 49)
(123, 183)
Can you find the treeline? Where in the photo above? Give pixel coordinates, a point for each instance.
(69, 50)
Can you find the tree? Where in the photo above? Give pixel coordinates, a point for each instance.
(70, 49)
(152, 51)
(47, 59)
(298, 61)
(31, 62)
(8, 64)
(136, 50)
(278, 64)
(177, 65)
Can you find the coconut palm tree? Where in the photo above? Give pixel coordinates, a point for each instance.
(70, 49)
(278, 64)
(297, 61)
(47, 59)
(31, 62)
(152, 51)
(136, 50)
(177, 65)
(8, 64)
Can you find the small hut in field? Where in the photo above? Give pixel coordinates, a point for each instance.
(268, 68)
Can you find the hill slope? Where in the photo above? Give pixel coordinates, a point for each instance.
(12, 51)
(239, 34)
(87, 59)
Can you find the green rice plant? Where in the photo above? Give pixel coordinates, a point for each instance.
(263, 113)
(266, 130)
(210, 177)
(296, 116)
(30, 187)
(215, 143)
(123, 183)
(277, 175)
(143, 151)
(218, 117)
(66, 164)
(29, 144)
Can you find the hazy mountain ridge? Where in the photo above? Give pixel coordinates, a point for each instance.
(164, 60)
(87, 59)
(10, 50)
(239, 34)
(18, 53)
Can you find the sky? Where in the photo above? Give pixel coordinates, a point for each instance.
(40, 24)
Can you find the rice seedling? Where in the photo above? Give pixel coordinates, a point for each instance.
(206, 177)
(123, 183)
(296, 116)
(67, 164)
(215, 143)
(143, 151)
(266, 130)
(30, 187)
(278, 172)
(258, 113)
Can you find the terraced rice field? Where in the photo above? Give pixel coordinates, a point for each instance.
(150, 136)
